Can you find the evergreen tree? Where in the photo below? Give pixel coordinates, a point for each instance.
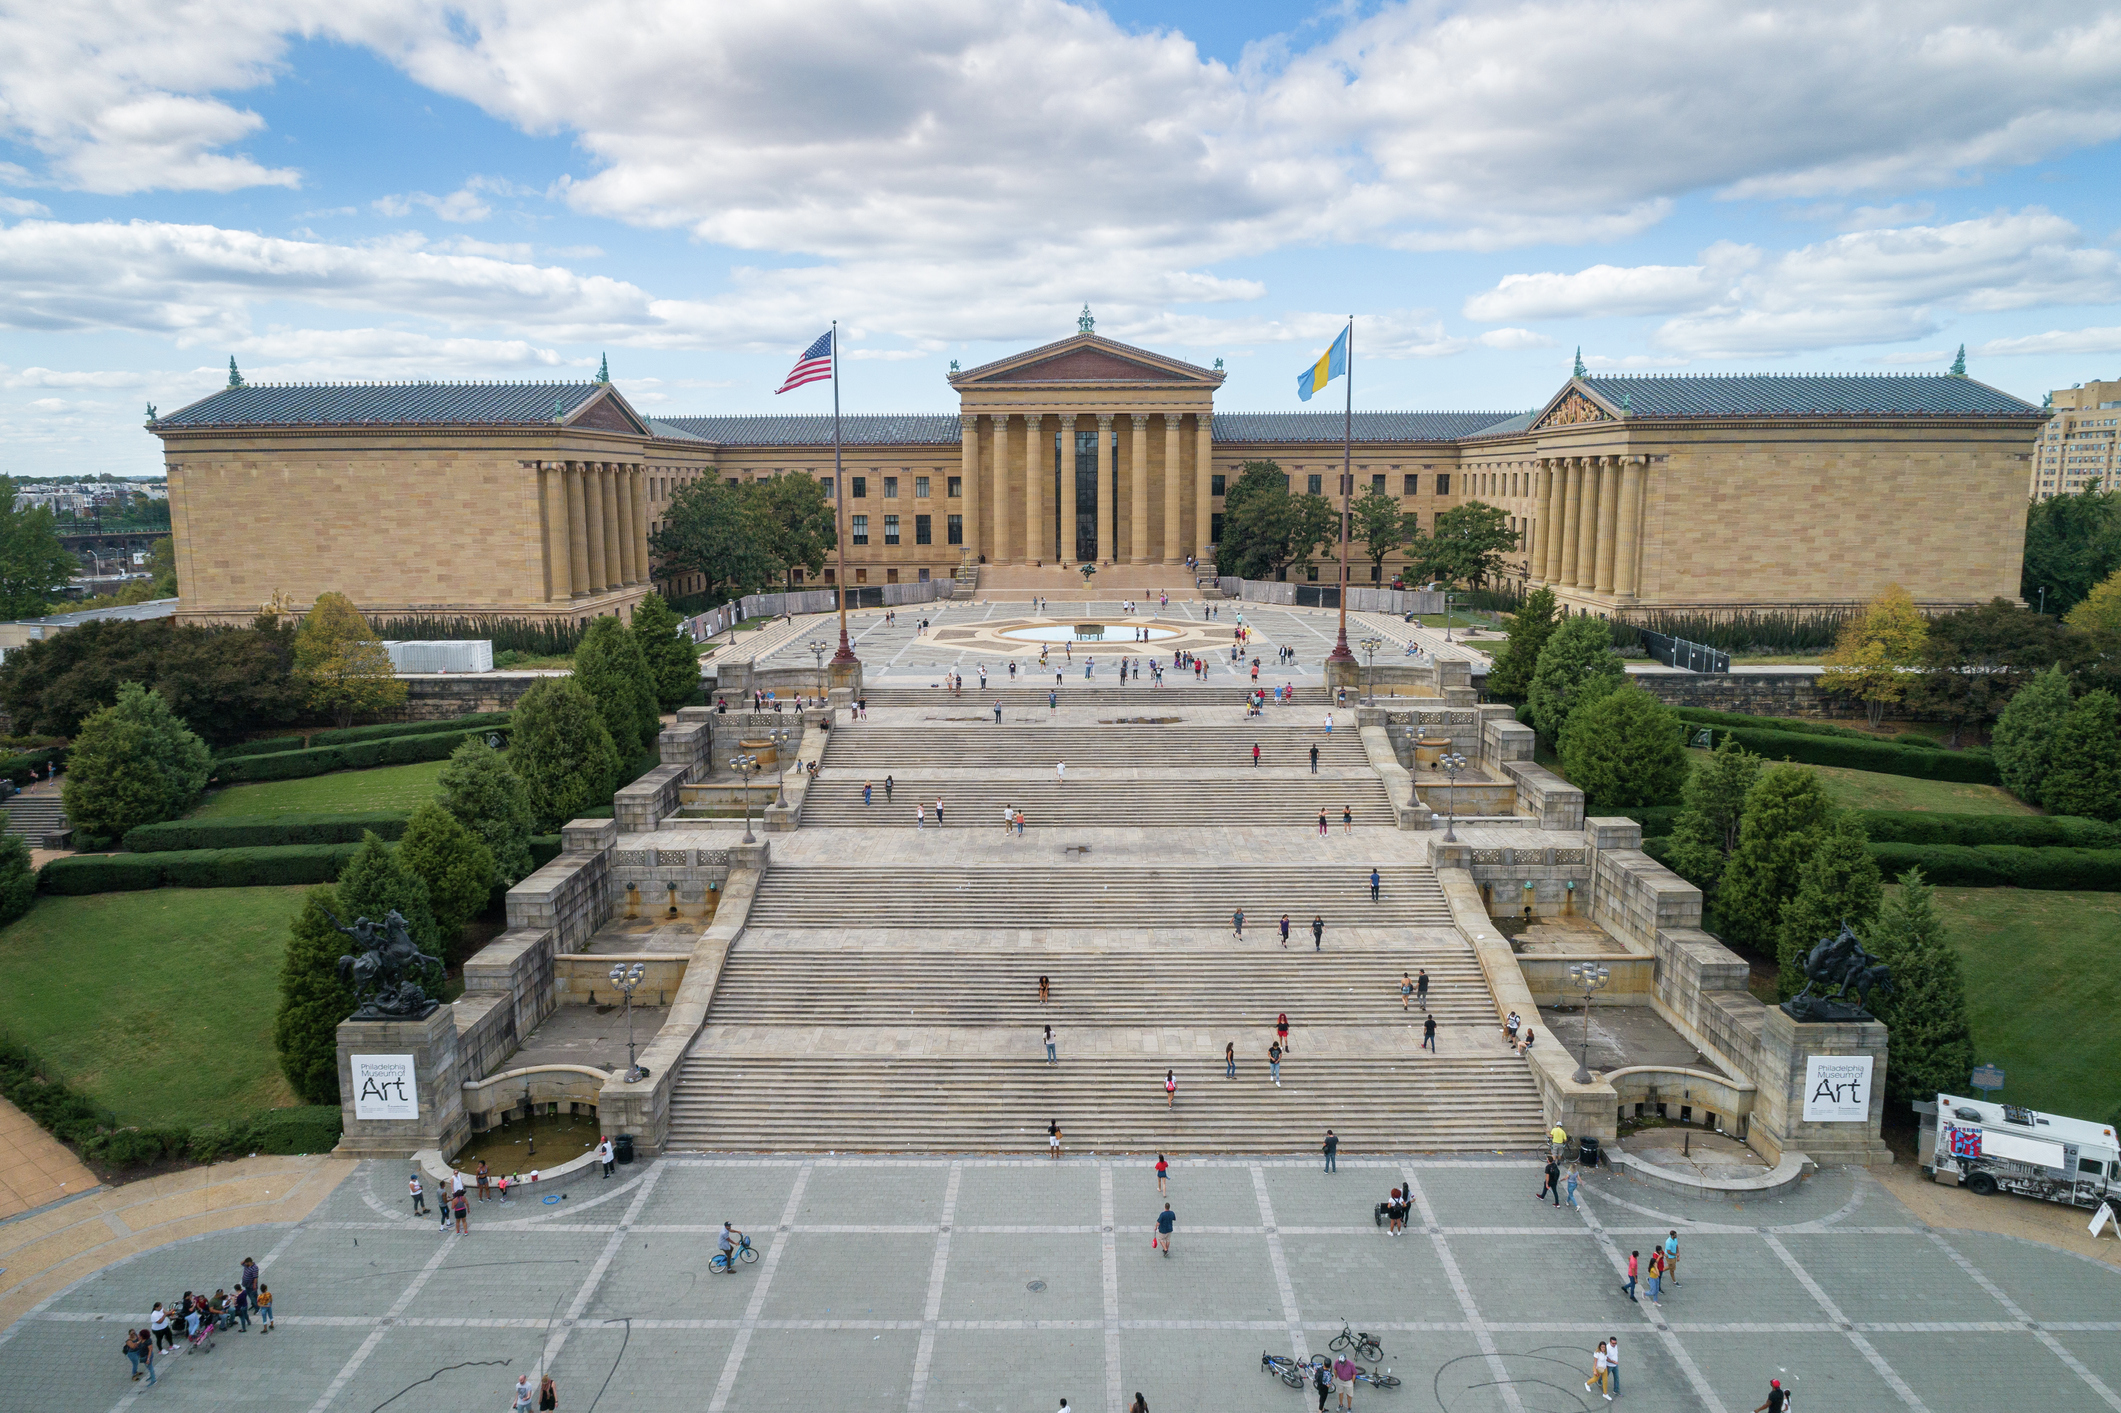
(133, 763)
(562, 752)
(1837, 881)
(1529, 629)
(1624, 749)
(672, 661)
(454, 864)
(374, 882)
(341, 663)
(1931, 1046)
(487, 797)
(2026, 732)
(1783, 813)
(34, 565)
(609, 666)
(313, 1000)
(18, 880)
(2084, 776)
(1575, 667)
(1874, 651)
(1705, 834)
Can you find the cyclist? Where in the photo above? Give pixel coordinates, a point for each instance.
(729, 1242)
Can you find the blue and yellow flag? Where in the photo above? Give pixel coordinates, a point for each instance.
(1325, 370)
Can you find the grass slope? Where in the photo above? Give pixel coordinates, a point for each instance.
(390, 787)
(2043, 988)
(158, 1005)
(1868, 790)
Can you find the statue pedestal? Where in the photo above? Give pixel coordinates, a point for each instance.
(401, 1086)
(1815, 1095)
(1345, 673)
(844, 677)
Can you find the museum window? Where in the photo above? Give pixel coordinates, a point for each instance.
(920, 488)
(734, 481)
(1409, 485)
(1413, 520)
(1311, 570)
(1314, 483)
(954, 486)
(861, 576)
(1215, 485)
(861, 487)
(826, 482)
(922, 535)
(891, 488)
(1377, 484)
(924, 576)
(891, 576)
(861, 529)
(890, 528)
(1443, 483)
(1377, 572)
(954, 529)
(796, 575)
(1215, 528)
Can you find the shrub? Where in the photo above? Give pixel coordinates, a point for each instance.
(456, 866)
(1530, 627)
(609, 666)
(2005, 866)
(531, 637)
(228, 682)
(356, 755)
(1577, 666)
(305, 1128)
(1783, 631)
(2026, 732)
(133, 763)
(475, 721)
(313, 1001)
(342, 665)
(1656, 820)
(673, 665)
(1837, 881)
(2084, 777)
(18, 880)
(1625, 747)
(61, 1111)
(1972, 767)
(253, 831)
(544, 848)
(563, 751)
(1702, 716)
(2032, 831)
(1705, 833)
(20, 768)
(1785, 811)
(195, 868)
(482, 790)
(1931, 1037)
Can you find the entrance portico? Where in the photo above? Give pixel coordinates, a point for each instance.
(1087, 450)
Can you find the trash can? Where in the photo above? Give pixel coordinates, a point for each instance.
(1586, 1152)
(624, 1148)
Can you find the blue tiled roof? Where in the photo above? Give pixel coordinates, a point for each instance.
(1808, 395)
(361, 404)
(815, 429)
(1508, 426)
(1256, 427)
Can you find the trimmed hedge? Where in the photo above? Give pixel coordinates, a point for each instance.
(258, 831)
(476, 721)
(2004, 866)
(1702, 716)
(17, 768)
(355, 755)
(1878, 757)
(2032, 831)
(195, 868)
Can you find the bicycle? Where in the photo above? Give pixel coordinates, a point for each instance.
(1293, 1372)
(1362, 1345)
(1382, 1378)
(744, 1253)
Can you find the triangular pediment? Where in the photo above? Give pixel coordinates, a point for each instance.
(608, 412)
(1573, 406)
(1087, 360)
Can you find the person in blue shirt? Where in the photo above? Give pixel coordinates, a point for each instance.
(1164, 1222)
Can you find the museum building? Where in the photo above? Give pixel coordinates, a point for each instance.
(1629, 493)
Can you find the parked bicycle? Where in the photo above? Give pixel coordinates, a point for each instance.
(1363, 1346)
(1293, 1371)
(744, 1253)
(1382, 1378)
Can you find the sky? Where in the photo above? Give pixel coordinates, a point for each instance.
(370, 190)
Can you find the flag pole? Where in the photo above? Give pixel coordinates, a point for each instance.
(845, 655)
(1341, 652)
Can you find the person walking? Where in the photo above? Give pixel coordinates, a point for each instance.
(1777, 1398)
(998, 705)
(868, 792)
(1572, 1186)
(1053, 1138)
(1284, 929)
(1060, 772)
(158, 1326)
(1553, 1183)
(1634, 1267)
(1230, 1060)
(137, 1346)
(1421, 986)
(1281, 1030)
(1654, 1288)
(548, 1395)
(1428, 1034)
(1045, 991)
(1164, 1222)
(1597, 1379)
(1344, 1380)
(1170, 1089)
(1237, 924)
(920, 816)
(1376, 882)
(419, 1196)
(1318, 932)
(1255, 755)
(264, 1304)
(1274, 1064)
(524, 1397)
(1406, 990)
(247, 1281)
(1053, 700)
(938, 811)
(1321, 822)
(1612, 1368)
(1314, 758)
(1671, 1258)
(1008, 819)
(887, 789)
(1331, 1148)
(1163, 1173)
(147, 1362)
(1052, 1058)
(604, 1155)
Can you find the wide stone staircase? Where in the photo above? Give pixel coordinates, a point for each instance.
(34, 814)
(871, 749)
(1253, 798)
(1179, 689)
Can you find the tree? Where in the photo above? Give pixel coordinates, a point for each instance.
(2071, 543)
(1976, 659)
(1577, 666)
(672, 661)
(1930, 1046)
(18, 878)
(162, 563)
(1624, 748)
(1837, 882)
(1530, 627)
(34, 565)
(2100, 610)
(800, 517)
(1381, 526)
(2026, 732)
(562, 751)
(716, 531)
(228, 682)
(135, 762)
(1875, 651)
(2084, 776)
(341, 664)
(313, 1000)
(1784, 813)
(1265, 528)
(455, 865)
(609, 665)
(1712, 806)
(375, 882)
(487, 797)
(2095, 630)
(1471, 540)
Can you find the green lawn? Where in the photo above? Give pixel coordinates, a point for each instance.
(2043, 988)
(1868, 790)
(389, 787)
(157, 1004)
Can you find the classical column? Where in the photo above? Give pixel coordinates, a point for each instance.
(640, 526)
(1203, 468)
(614, 567)
(577, 530)
(552, 499)
(1587, 531)
(1034, 490)
(1174, 532)
(622, 490)
(1571, 517)
(593, 497)
(1542, 521)
(998, 503)
(1608, 520)
(1138, 469)
(1625, 580)
(968, 470)
(1107, 527)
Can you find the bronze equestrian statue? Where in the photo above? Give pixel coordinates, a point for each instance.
(382, 972)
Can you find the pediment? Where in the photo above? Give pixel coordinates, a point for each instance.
(1572, 408)
(1088, 359)
(609, 413)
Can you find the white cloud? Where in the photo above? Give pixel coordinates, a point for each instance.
(1513, 339)
(1914, 357)
(1608, 291)
(2067, 341)
(21, 206)
(57, 378)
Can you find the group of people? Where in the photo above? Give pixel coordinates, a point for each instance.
(198, 1317)
(454, 1205)
(1517, 1033)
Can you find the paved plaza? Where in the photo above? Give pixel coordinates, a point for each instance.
(980, 1284)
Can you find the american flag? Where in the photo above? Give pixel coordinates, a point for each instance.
(814, 366)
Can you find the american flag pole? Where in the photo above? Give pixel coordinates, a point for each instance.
(845, 655)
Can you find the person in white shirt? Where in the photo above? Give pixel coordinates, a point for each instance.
(419, 1196)
(1612, 1367)
(1598, 1367)
(604, 1156)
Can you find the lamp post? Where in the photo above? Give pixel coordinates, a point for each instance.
(818, 648)
(747, 767)
(626, 978)
(780, 738)
(1590, 978)
(1369, 647)
(1450, 763)
(1447, 604)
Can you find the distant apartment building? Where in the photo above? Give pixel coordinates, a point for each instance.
(2077, 450)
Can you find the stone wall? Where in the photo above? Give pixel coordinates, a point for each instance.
(445, 696)
(515, 968)
(571, 896)
(1793, 693)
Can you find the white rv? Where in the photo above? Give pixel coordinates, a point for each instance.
(1991, 1147)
